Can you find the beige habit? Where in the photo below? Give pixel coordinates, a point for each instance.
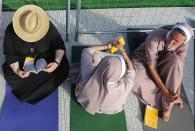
(169, 60)
(104, 83)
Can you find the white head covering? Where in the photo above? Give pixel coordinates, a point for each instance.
(185, 28)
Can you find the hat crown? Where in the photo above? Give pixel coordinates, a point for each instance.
(30, 22)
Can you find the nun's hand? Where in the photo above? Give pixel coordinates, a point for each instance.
(169, 95)
(109, 45)
(51, 67)
(23, 74)
(120, 47)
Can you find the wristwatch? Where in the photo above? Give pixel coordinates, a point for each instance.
(56, 62)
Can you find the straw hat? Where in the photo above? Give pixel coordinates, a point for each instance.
(30, 23)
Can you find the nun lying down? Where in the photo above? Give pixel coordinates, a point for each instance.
(103, 80)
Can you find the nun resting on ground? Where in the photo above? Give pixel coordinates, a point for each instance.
(159, 63)
(103, 80)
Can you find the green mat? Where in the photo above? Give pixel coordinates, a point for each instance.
(80, 120)
(11, 5)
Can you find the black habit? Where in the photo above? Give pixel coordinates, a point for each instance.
(37, 86)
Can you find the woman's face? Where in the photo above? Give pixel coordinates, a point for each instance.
(176, 37)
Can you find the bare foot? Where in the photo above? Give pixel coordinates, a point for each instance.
(166, 115)
(179, 102)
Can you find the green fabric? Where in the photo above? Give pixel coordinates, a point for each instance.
(11, 5)
(80, 120)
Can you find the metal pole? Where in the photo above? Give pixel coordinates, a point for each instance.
(78, 20)
(112, 32)
(121, 31)
(67, 19)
